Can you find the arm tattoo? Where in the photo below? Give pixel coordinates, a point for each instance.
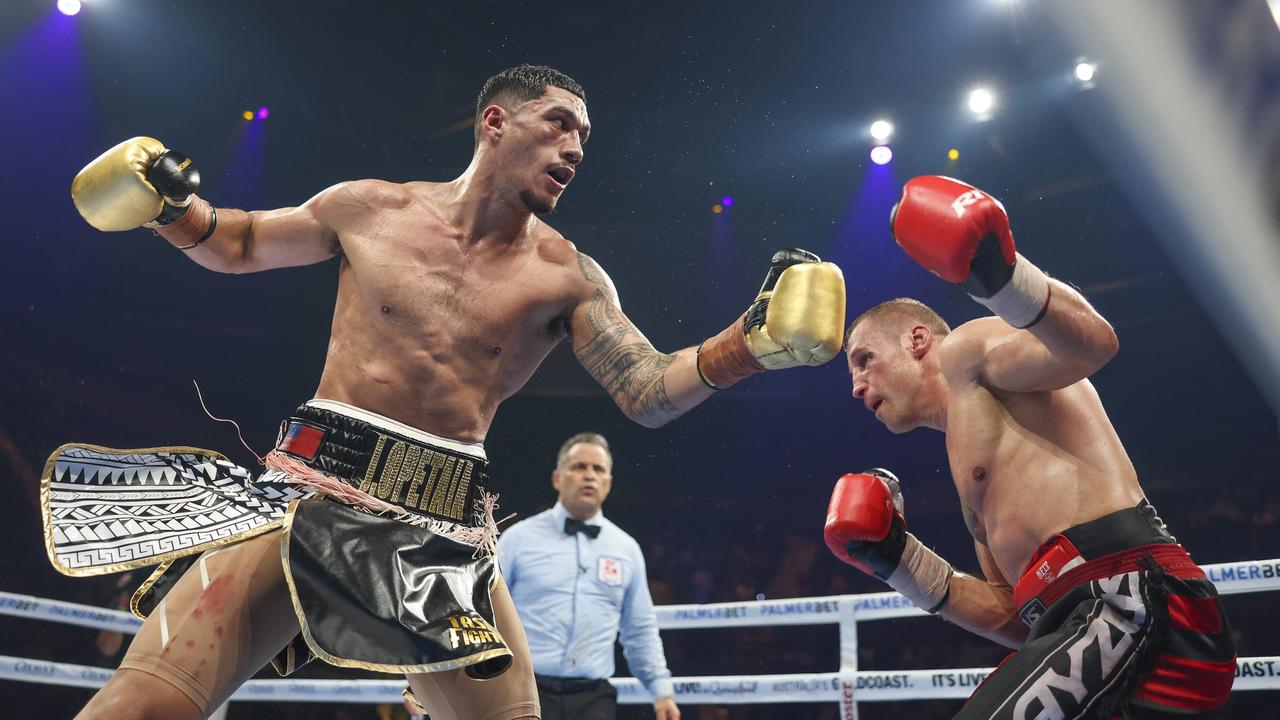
(590, 270)
(974, 523)
(619, 357)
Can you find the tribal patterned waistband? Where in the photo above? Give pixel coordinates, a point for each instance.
(392, 462)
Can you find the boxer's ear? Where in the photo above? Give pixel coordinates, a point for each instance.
(493, 120)
(919, 340)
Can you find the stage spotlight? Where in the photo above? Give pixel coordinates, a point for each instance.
(247, 114)
(880, 130)
(981, 100)
(953, 154)
(881, 154)
(717, 209)
(1085, 71)
(727, 201)
(68, 7)
(263, 113)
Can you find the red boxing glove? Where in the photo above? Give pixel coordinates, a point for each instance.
(865, 526)
(962, 235)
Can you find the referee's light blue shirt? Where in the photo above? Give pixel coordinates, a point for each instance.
(575, 595)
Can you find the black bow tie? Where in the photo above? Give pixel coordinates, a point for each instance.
(572, 526)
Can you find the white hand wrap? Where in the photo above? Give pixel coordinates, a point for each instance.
(922, 576)
(1023, 300)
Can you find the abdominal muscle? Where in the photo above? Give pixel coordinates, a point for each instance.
(413, 390)
(442, 366)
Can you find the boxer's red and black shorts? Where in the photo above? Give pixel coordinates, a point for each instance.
(1123, 624)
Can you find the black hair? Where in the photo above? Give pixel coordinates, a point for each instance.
(521, 84)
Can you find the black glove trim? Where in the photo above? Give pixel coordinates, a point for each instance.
(989, 271)
(172, 213)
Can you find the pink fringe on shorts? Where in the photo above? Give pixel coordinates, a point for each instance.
(483, 538)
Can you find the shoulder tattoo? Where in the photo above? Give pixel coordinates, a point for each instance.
(591, 270)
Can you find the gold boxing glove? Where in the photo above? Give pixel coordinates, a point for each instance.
(112, 192)
(140, 183)
(796, 319)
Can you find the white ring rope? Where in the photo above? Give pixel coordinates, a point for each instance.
(845, 687)
(1253, 673)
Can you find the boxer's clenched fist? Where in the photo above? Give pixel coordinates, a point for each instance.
(140, 183)
(962, 235)
(797, 319)
(866, 528)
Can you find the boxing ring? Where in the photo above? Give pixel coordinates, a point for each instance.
(846, 686)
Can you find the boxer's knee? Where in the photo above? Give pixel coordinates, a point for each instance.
(135, 695)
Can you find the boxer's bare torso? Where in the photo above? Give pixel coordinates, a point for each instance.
(1029, 445)
(433, 328)
(1030, 448)
(451, 294)
(449, 297)
(1028, 465)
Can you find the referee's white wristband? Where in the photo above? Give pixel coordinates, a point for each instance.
(1024, 299)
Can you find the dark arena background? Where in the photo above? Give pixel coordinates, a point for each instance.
(1135, 146)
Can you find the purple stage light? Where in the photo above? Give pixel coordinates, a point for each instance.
(68, 7)
(263, 112)
(727, 201)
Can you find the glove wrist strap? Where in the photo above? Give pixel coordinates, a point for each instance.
(724, 359)
(171, 212)
(923, 577)
(195, 226)
(1023, 300)
(697, 364)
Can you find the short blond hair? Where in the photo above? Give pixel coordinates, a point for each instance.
(893, 315)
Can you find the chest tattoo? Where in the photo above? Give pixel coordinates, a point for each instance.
(974, 523)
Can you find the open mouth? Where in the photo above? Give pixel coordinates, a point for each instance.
(874, 405)
(562, 176)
